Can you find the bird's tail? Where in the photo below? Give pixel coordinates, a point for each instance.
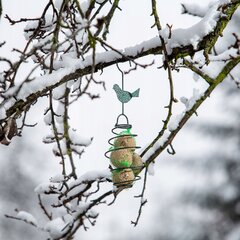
(136, 93)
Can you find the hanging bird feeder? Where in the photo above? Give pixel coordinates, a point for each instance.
(126, 164)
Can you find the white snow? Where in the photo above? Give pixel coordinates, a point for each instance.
(69, 84)
(196, 77)
(79, 140)
(29, 29)
(213, 69)
(75, 191)
(60, 113)
(196, 9)
(100, 1)
(180, 37)
(215, 66)
(62, 146)
(143, 200)
(174, 123)
(150, 152)
(49, 20)
(189, 103)
(48, 118)
(49, 138)
(226, 55)
(92, 213)
(56, 227)
(85, 5)
(163, 139)
(156, 146)
(44, 187)
(194, 34)
(2, 113)
(91, 176)
(195, 97)
(192, 100)
(25, 216)
(58, 4)
(81, 208)
(57, 178)
(150, 169)
(145, 45)
(77, 86)
(59, 92)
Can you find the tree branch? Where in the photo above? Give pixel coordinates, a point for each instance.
(205, 44)
(0, 8)
(221, 76)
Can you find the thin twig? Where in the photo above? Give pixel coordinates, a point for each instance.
(143, 201)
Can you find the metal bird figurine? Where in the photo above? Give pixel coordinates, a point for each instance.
(125, 96)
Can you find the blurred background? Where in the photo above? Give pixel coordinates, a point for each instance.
(193, 195)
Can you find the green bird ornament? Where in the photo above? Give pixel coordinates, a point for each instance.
(125, 96)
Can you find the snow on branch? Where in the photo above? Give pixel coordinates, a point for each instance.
(68, 44)
(161, 142)
(194, 9)
(184, 42)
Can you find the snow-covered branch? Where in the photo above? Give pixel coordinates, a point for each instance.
(67, 45)
(161, 143)
(183, 42)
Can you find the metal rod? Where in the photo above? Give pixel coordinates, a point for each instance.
(123, 90)
(122, 108)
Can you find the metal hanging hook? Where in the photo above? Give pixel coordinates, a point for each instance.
(122, 73)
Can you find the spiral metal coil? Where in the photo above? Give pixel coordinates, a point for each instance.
(120, 126)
